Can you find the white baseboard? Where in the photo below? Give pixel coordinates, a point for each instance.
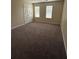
(16, 26)
(19, 25)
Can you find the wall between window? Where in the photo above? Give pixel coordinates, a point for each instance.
(56, 13)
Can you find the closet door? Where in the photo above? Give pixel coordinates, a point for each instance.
(28, 13)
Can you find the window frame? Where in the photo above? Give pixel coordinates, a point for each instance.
(38, 12)
(51, 12)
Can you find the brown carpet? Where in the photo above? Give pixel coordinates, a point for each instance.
(37, 41)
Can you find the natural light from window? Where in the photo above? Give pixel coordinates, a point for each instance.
(37, 11)
(49, 11)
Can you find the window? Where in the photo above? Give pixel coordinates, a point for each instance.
(37, 11)
(49, 11)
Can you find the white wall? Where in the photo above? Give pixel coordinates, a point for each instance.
(64, 24)
(17, 10)
(16, 13)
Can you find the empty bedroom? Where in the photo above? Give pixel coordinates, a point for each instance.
(38, 29)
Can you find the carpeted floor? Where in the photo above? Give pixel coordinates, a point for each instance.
(37, 41)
